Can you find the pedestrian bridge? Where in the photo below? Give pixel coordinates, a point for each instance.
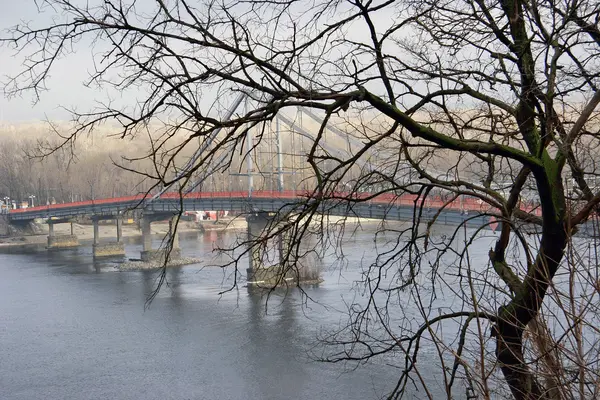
(260, 209)
(363, 205)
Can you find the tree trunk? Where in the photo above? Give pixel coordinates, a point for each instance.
(514, 317)
(518, 376)
(527, 302)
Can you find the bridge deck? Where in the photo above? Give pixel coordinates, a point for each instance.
(388, 206)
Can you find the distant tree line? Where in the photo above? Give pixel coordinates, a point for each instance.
(33, 165)
(58, 177)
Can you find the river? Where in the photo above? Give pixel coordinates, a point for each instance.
(72, 328)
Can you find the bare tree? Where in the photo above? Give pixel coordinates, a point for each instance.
(495, 101)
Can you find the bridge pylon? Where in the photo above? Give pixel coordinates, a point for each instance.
(108, 249)
(269, 264)
(158, 255)
(56, 241)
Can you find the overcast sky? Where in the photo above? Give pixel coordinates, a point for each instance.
(64, 84)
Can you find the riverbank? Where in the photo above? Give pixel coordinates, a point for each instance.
(85, 232)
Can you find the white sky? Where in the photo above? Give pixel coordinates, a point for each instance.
(65, 83)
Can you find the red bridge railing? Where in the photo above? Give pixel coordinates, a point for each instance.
(462, 204)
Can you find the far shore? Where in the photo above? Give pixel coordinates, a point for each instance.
(85, 232)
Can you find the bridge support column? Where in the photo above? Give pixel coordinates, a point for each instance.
(266, 266)
(174, 236)
(96, 231)
(146, 234)
(56, 241)
(109, 249)
(119, 229)
(158, 255)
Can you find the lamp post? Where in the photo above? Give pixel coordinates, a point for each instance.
(31, 197)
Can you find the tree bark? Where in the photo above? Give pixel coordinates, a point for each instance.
(514, 317)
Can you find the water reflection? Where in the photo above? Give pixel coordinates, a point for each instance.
(272, 348)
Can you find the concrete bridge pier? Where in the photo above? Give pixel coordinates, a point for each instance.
(174, 235)
(56, 241)
(108, 249)
(266, 261)
(150, 254)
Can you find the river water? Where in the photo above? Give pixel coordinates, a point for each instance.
(71, 328)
